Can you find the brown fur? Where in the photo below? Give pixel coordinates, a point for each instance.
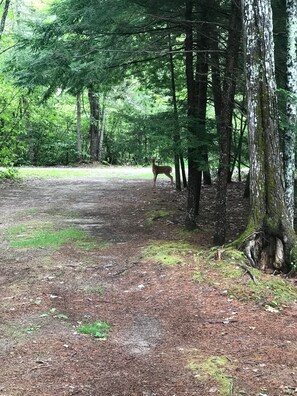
(158, 170)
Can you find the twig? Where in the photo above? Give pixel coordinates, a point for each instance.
(248, 271)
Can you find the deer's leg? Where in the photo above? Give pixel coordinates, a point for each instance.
(170, 177)
(155, 178)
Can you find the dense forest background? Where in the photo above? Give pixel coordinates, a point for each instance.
(121, 82)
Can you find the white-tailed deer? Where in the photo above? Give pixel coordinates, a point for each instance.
(159, 170)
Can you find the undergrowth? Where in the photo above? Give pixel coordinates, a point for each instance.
(168, 253)
(214, 369)
(227, 270)
(154, 215)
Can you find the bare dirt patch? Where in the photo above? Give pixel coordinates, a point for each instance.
(164, 324)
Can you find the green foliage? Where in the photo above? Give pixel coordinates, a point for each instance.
(97, 329)
(9, 174)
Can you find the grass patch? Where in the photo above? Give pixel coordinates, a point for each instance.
(41, 235)
(168, 253)
(224, 271)
(97, 329)
(154, 215)
(73, 172)
(214, 369)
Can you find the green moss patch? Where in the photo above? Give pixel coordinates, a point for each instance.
(168, 253)
(214, 370)
(154, 215)
(226, 270)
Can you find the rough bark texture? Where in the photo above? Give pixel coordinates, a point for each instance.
(289, 133)
(225, 122)
(269, 239)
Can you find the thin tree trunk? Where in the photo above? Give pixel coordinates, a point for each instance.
(176, 134)
(183, 171)
(226, 123)
(102, 128)
(194, 175)
(78, 127)
(94, 125)
(201, 81)
(289, 133)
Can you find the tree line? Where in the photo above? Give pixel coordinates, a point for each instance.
(211, 83)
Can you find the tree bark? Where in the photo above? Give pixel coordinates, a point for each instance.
(78, 127)
(176, 133)
(269, 239)
(102, 129)
(94, 124)
(290, 130)
(194, 174)
(225, 122)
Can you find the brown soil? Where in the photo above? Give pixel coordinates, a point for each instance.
(162, 321)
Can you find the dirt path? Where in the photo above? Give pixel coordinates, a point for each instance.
(164, 324)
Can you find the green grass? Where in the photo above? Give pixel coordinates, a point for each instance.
(97, 329)
(42, 235)
(101, 171)
(167, 253)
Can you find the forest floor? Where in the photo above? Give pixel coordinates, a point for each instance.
(172, 334)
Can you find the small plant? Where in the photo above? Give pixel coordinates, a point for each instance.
(53, 312)
(97, 329)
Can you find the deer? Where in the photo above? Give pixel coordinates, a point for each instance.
(158, 170)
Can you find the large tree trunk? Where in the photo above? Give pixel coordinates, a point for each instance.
(225, 122)
(269, 239)
(290, 130)
(197, 153)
